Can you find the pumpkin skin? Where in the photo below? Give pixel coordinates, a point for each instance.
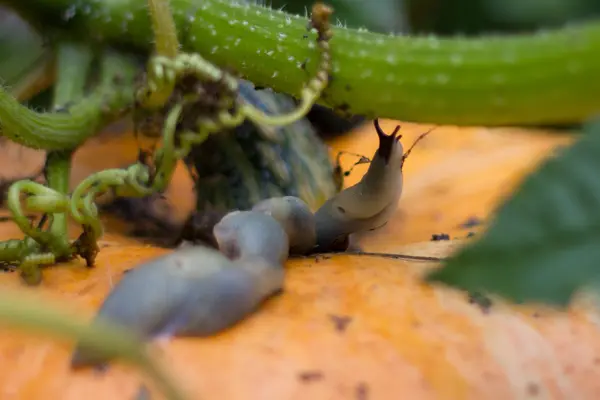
(346, 327)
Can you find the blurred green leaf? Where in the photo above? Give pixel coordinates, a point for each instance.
(544, 243)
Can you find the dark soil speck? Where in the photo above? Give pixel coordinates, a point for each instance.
(533, 389)
(362, 391)
(7, 268)
(340, 322)
(471, 222)
(484, 303)
(441, 236)
(320, 257)
(310, 376)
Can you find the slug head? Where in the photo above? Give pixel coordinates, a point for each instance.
(389, 145)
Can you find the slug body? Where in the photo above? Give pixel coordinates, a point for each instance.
(250, 234)
(369, 204)
(198, 291)
(295, 217)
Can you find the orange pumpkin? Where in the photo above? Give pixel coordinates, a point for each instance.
(346, 327)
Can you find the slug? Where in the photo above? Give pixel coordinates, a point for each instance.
(250, 234)
(295, 217)
(199, 291)
(367, 205)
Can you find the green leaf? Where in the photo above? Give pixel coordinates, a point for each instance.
(544, 242)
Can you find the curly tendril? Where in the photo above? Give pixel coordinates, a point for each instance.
(193, 113)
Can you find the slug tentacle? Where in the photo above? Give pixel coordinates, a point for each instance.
(386, 142)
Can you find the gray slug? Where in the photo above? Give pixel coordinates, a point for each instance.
(198, 291)
(251, 234)
(367, 205)
(295, 217)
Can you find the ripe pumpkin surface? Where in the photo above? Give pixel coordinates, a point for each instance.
(346, 327)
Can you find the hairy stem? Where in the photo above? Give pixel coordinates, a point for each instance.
(166, 45)
(165, 33)
(544, 78)
(57, 131)
(67, 129)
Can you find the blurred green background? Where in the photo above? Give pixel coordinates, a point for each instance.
(468, 17)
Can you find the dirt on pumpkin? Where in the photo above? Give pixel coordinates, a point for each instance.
(345, 327)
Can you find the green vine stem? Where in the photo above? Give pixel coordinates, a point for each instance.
(24, 312)
(57, 171)
(70, 128)
(74, 61)
(163, 26)
(166, 45)
(543, 78)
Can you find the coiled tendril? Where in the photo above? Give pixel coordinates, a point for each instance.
(210, 104)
